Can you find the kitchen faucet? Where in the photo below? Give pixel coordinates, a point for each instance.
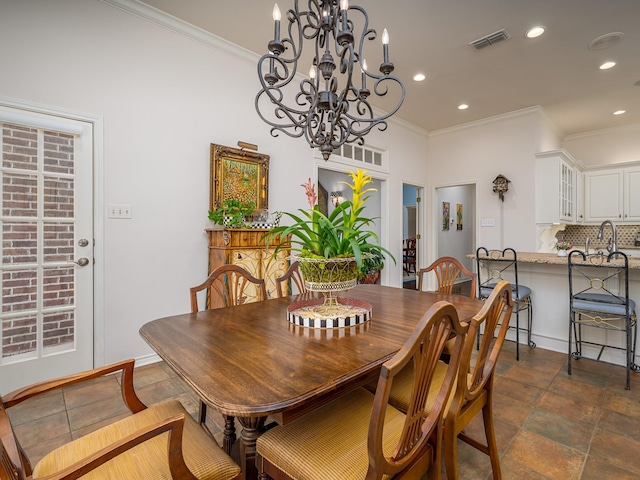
(612, 242)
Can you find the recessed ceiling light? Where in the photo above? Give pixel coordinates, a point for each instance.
(619, 112)
(418, 77)
(535, 32)
(463, 106)
(607, 65)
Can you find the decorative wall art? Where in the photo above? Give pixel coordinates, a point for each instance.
(323, 200)
(446, 216)
(458, 216)
(240, 175)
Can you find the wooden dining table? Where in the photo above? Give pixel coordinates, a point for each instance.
(250, 362)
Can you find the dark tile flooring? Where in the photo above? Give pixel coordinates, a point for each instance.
(549, 425)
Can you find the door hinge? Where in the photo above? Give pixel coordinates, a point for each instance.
(418, 236)
(418, 200)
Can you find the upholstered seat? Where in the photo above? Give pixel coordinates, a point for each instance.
(600, 302)
(359, 435)
(147, 461)
(161, 442)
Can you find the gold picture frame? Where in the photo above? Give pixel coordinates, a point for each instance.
(239, 175)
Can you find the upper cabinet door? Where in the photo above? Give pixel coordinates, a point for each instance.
(603, 195)
(632, 194)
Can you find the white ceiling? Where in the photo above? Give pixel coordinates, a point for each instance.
(556, 71)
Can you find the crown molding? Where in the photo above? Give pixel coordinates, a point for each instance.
(496, 118)
(163, 19)
(606, 131)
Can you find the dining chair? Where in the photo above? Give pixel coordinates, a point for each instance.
(292, 275)
(495, 265)
(409, 253)
(599, 301)
(473, 392)
(447, 270)
(228, 283)
(161, 441)
(359, 435)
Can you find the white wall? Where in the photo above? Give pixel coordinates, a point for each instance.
(164, 98)
(477, 153)
(605, 146)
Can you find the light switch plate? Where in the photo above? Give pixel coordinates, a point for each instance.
(488, 222)
(119, 211)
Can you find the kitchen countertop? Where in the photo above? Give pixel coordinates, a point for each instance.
(554, 259)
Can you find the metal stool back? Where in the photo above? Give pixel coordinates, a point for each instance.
(495, 265)
(599, 299)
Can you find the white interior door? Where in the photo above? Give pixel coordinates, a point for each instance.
(47, 247)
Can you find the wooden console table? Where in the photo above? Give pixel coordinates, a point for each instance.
(247, 248)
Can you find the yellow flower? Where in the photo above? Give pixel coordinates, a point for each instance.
(360, 180)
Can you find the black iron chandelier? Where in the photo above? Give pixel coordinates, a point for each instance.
(331, 107)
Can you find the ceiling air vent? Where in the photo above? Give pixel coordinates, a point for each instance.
(490, 39)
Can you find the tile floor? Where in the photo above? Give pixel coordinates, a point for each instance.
(549, 425)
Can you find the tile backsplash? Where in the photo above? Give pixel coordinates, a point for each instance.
(577, 235)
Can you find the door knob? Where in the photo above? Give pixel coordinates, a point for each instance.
(83, 242)
(82, 262)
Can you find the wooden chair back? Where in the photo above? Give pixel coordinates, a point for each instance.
(418, 447)
(475, 379)
(447, 270)
(283, 285)
(14, 464)
(229, 284)
(409, 254)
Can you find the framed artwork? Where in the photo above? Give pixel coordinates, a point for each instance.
(446, 216)
(458, 216)
(239, 175)
(323, 199)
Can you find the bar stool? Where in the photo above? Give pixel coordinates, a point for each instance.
(491, 266)
(599, 298)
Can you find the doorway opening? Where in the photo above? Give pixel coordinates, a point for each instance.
(410, 234)
(456, 227)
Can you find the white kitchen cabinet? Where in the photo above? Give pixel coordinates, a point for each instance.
(603, 195)
(556, 187)
(613, 194)
(631, 194)
(580, 218)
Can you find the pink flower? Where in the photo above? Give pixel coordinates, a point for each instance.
(310, 188)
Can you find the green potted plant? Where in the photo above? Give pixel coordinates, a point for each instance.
(331, 248)
(371, 266)
(231, 213)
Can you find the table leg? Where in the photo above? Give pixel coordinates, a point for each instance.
(229, 433)
(252, 428)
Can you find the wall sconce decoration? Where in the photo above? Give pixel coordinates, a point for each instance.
(336, 198)
(501, 186)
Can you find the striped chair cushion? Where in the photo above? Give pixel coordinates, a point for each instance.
(330, 443)
(147, 461)
(402, 383)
